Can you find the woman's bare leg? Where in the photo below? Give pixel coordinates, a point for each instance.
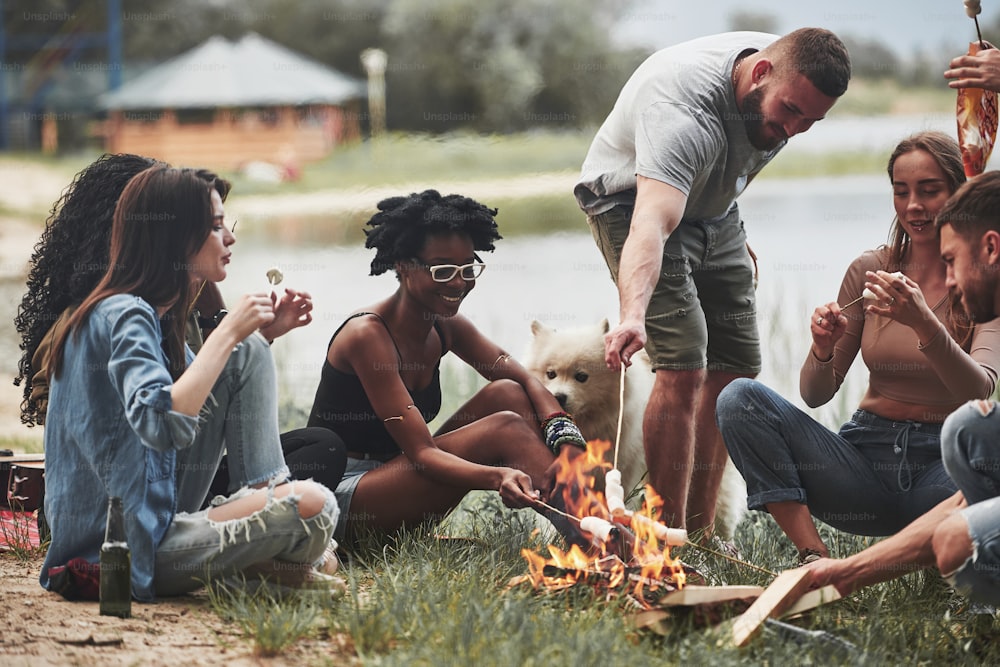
(397, 493)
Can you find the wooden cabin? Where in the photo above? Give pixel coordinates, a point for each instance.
(226, 104)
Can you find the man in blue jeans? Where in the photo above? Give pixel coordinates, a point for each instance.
(961, 535)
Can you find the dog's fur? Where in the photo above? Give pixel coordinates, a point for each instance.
(570, 363)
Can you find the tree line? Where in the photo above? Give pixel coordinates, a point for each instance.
(486, 65)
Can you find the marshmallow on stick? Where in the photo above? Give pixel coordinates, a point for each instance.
(597, 527)
(274, 277)
(614, 492)
(868, 294)
(674, 537)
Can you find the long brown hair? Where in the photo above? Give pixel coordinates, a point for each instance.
(161, 220)
(946, 153)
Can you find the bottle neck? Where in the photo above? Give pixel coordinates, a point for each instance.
(114, 531)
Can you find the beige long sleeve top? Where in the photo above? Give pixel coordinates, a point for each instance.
(932, 378)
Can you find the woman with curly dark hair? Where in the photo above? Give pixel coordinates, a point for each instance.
(69, 260)
(380, 383)
(127, 396)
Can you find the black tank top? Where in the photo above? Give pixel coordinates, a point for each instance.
(342, 406)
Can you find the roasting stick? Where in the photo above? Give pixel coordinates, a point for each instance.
(615, 495)
(972, 8)
(614, 492)
(731, 559)
(852, 302)
(621, 415)
(557, 511)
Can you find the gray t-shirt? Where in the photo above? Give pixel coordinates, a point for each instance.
(676, 121)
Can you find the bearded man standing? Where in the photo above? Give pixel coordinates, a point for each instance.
(690, 129)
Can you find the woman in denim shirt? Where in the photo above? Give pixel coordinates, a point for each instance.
(126, 395)
(69, 260)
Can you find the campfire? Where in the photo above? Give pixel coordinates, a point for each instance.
(628, 551)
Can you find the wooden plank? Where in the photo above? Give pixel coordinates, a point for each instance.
(17, 458)
(783, 592)
(812, 599)
(695, 595)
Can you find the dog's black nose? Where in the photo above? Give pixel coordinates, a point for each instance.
(562, 399)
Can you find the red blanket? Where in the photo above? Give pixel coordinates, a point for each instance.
(18, 530)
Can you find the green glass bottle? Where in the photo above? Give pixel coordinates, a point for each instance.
(116, 565)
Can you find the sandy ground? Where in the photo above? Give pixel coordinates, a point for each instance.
(41, 629)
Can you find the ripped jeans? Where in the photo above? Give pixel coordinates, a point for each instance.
(969, 442)
(239, 418)
(197, 549)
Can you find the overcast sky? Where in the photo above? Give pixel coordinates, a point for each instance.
(905, 25)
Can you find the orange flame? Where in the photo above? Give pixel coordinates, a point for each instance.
(576, 476)
(649, 564)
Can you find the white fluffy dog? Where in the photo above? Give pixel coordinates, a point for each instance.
(570, 363)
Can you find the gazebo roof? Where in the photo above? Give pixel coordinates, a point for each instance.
(253, 71)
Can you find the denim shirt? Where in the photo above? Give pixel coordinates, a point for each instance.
(111, 431)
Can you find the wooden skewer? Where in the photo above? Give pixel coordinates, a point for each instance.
(853, 302)
(560, 512)
(978, 33)
(732, 559)
(621, 414)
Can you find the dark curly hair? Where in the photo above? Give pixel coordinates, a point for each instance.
(401, 227)
(71, 256)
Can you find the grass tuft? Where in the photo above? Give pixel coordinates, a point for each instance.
(18, 539)
(271, 621)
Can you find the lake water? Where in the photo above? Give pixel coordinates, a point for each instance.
(805, 232)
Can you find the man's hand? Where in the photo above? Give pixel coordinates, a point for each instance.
(622, 342)
(979, 71)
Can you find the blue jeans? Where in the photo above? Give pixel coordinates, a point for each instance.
(196, 550)
(872, 478)
(972, 458)
(240, 418)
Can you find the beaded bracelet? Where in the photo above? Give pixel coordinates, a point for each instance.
(555, 415)
(560, 429)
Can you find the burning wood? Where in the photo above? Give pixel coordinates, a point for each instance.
(630, 553)
(631, 550)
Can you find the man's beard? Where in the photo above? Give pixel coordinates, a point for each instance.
(754, 121)
(979, 297)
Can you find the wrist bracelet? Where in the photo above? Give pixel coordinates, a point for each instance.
(559, 430)
(545, 422)
(922, 346)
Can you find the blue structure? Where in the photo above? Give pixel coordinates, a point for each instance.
(54, 50)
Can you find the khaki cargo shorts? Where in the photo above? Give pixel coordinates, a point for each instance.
(703, 311)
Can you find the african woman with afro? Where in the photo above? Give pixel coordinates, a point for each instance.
(380, 383)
